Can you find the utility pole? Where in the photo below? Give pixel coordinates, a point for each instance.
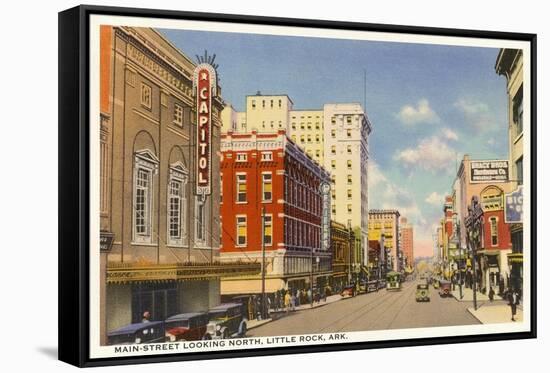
(263, 310)
(473, 224)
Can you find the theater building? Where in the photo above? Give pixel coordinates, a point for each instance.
(159, 206)
(268, 182)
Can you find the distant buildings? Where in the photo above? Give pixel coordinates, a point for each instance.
(386, 222)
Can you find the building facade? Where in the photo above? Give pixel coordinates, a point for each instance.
(407, 242)
(335, 136)
(159, 237)
(342, 239)
(386, 222)
(510, 64)
(267, 177)
(492, 256)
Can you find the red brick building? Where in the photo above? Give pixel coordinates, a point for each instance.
(266, 174)
(496, 238)
(407, 245)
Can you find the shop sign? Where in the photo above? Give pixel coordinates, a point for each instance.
(204, 84)
(325, 219)
(105, 241)
(513, 208)
(489, 171)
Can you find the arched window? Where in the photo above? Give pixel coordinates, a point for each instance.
(177, 204)
(145, 167)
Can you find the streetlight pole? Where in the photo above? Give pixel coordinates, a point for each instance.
(311, 279)
(473, 224)
(263, 310)
(459, 258)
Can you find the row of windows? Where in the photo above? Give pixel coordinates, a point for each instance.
(333, 164)
(302, 196)
(301, 234)
(348, 119)
(349, 194)
(242, 230)
(307, 125)
(270, 102)
(265, 157)
(176, 208)
(242, 187)
(333, 149)
(333, 179)
(349, 208)
(146, 98)
(308, 139)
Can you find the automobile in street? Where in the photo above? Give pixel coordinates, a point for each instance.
(444, 288)
(422, 293)
(226, 321)
(186, 326)
(143, 332)
(348, 291)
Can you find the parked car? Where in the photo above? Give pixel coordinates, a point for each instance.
(372, 286)
(186, 326)
(444, 288)
(348, 291)
(226, 321)
(422, 293)
(143, 332)
(381, 283)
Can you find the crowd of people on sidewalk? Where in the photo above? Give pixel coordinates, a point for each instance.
(285, 300)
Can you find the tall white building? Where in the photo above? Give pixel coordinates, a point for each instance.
(346, 156)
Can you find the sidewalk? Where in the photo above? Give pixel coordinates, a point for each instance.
(275, 315)
(499, 313)
(468, 295)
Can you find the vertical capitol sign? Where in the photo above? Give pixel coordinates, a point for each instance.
(204, 87)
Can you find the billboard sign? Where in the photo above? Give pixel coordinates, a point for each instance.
(513, 208)
(489, 171)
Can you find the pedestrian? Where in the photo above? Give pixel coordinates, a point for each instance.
(287, 302)
(146, 317)
(491, 294)
(513, 301)
(309, 295)
(292, 302)
(501, 286)
(298, 294)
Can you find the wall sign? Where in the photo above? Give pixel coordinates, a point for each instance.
(488, 171)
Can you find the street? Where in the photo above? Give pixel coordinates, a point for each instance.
(374, 311)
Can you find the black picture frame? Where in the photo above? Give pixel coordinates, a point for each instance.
(74, 190)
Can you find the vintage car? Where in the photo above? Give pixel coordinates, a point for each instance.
(226, 321)
(348, 291)
(372, 286)
(422, 293)
(186, 326)
(143, 332)
(381, 283)
(445, 288)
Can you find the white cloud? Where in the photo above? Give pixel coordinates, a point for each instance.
(477, 114)
(491, 141)
(432, 154)
(435, 199)
(422, 113)
(449, 134)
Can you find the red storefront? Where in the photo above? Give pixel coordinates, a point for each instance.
(266, 174)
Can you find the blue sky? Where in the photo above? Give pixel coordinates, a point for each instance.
(429, 104)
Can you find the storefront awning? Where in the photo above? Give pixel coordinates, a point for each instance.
(134, 272)
(515, 258)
